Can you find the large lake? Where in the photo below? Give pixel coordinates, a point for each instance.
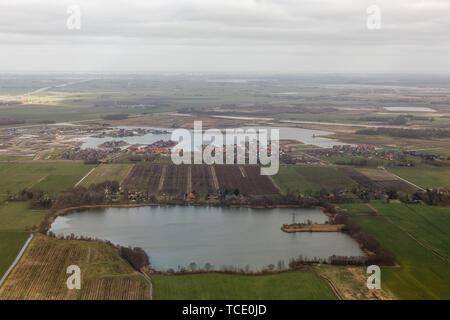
(178, 235)
(306, 136)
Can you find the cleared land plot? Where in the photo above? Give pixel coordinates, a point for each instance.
(378, 179)
(421, 275)
(300, 179)
(144, 177)
(46, 176)
(247, 179)
(111, 172)
(202, 180)
(292, 286)
(429, 224)
(351, 283)
(41, 273)
(425, 177)
(175, 181)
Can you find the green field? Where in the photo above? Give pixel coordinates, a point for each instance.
(10, 244)
(111, 172)
(47, 176)
(421, 275)
(15, 218)
(289, 286)
(429, 224)
(296, 178)
(425, 177)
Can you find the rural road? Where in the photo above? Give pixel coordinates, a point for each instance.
(150, 284)
(30, 93)
(409, 182)
(16, 260)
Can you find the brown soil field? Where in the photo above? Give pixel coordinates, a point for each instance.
(144, 177)
(202, 179)
(249, 182)
(378, 179)
(176, 179)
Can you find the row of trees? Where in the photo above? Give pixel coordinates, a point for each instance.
(79, 196)
(39, 200)
(377, 255)
(136, 256)
(407, 133)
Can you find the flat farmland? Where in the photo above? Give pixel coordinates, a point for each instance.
(378, 179)
(247, 179)
(10, 244)
(300, 179)
(15, 218)
(111, 172)
(202, 179)
(425, 177)
(289, 286)
(429, 224)
(41, 273)
(47, 176)
(175, 179)
(144, 177)
(421, 275)
(179, 179)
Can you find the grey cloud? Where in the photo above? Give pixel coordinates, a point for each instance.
(244, 30)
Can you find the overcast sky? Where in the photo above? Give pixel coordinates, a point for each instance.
(280, 36)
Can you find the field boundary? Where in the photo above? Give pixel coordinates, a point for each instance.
(333, 287)
(21, 252)
(163, 177)
(149, 280)
(85, 176)
(189, 180)
(407, 181)
(214, 177)
(275, 185)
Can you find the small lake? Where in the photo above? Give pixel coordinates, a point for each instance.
(178, 235)
(149, 138)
